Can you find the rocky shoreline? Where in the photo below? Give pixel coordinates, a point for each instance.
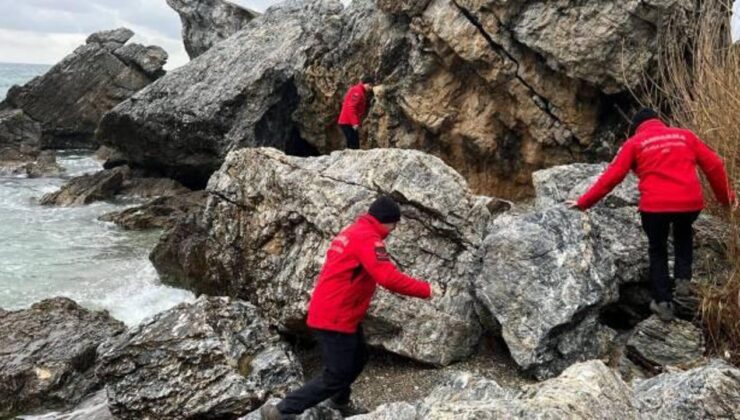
(544, 309)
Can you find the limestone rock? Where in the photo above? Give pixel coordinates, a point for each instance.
(240, 93)
(270, 218)
(160, 213)
(71, 98)
(48, 355)
(86, 189)
(215, 358)
(655, 344)
(587, 390)
(711, 391)
(206, 23)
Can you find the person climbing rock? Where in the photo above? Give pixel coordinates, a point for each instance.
(353, 110)
(357, 260)
(664, 159)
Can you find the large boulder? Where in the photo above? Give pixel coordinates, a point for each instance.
(711, 391)
(588, 390)
(206, 23)
(655, 344)
(20, 138)
(88, 188)
(214, 358)
(270, 218)
(71, 98)
(495, 101)
(48, 355)
(240, 93)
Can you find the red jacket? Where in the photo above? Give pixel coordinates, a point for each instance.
(665, 160)
(354, 106)
(356, 261)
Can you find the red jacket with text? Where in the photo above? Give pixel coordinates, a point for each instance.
(665, 160)
(354, 106)
(356, 261)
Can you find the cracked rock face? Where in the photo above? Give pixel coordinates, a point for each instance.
(655, 344)
(586, 390)
(270, 218)
(206, 23)
(20, 139)
(711, 391)
(495, 89)
(214, 358)
(70, 99)
(47, 355)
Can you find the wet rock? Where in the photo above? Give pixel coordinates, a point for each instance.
(45, 165)
(214, 358)
(70, 99)
(141, 186)
(711, 391)
(585, 390)
(239, 94)
(48, 355)
(94, 407)
(160, 213)
(270, 218)
(206, 23)
(655, 344)
(20, 138)
(86, 189)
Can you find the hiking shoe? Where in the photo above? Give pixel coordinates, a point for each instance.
(664, 310)
(271, 412)
(347, 410)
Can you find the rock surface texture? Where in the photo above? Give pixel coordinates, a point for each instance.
(496, 89)
(206, 23)
(47, 355)
(160, 213)
(86, 189)
(655, 344)
(71, 98)
(20, 138)
(270, 218)
(214, 358)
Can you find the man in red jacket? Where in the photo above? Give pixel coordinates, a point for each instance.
(356, 262)
(664, 159)
(353, 110)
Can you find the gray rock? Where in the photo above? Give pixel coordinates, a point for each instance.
(94, 407)
(45, 165)
(240, 93)
(555, 185)
(320, 412)
(270, 218)
(86, 189)
(70, 99)
(206, 23)
(655, 344)
(587, 390)
(707, 392)
(48, 355)
(20, 138)
(160, 213)
(214, 358)
(140, 186)
(149, 59)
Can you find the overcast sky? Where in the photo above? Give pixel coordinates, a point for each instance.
(44, 31)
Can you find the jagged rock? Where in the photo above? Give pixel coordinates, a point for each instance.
(20, 138)
(320, 412)
(45, 165)
(214, 358)
(568, 182)
(270, 218)
(206, 23)
(160, 213)
(655, 344)
(239, 94)
(149, 59)
(86, 189)
(71, 98)
(587, 390)
(47, 354)
(458, 83)
(95, 407)
(138, 185)
(707, 392)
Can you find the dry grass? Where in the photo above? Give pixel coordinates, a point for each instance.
(698, 86)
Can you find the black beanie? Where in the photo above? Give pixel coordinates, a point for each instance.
(642, 116)
(385, 210)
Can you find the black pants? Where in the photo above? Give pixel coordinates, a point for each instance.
(344, 357)
(352, 136)
(657, 226)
